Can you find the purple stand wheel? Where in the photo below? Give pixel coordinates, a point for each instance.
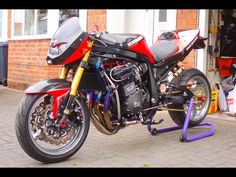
(184, 136)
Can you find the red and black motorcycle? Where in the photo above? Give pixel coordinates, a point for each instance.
(114, 80)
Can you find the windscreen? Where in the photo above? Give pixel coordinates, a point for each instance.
(66, 34)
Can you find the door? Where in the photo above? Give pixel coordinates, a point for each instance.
(147, 22)
(163, 20)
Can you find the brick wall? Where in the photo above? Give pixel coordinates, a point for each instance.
(9, 23)
(96, 17)
(27, 64)
(188, 19)
(26, 60)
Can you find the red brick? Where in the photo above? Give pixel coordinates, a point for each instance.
(9, 23)
(96, 17)
(187, 19)
(27, 63)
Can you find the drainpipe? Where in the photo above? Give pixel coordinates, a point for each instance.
(202, 53)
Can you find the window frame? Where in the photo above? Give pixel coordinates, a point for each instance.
(169, 24)
(52, 25)
(4, 25)
(34, 36)
(171, 15)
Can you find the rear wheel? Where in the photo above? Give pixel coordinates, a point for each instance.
(200, 88)
(38, 135)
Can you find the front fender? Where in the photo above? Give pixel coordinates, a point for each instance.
(48, 86)
(58, 88)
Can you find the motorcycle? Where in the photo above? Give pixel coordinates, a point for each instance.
(112, 80)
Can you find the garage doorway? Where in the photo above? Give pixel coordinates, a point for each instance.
(221, 50)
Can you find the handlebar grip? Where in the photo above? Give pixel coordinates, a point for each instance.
(105, 37)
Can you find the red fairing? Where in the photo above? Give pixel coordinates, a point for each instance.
(141, 47)
(78, 53)
(57, 95)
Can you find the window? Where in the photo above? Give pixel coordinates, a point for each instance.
(42, 23)
(164, 20)
(30, 22)
(3, 25)
(163, 15)
(67, 13)
(18, 22)
(42, 20)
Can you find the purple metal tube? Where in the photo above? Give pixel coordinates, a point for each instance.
(162, 130)
(184, 136)
(98, 99)
(107, 101)
(202, 135)
(91, 95)
(149, 126)
(187, 119)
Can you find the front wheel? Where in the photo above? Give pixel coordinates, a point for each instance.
(38, 135)
(200, 87)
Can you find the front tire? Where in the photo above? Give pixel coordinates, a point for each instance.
(38, 148)
(179, 117)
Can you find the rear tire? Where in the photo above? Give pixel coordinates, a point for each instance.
(179, 117)
(27, 142)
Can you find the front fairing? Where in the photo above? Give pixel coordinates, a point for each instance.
(68, 38)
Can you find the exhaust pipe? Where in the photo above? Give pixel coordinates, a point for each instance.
(101, 120)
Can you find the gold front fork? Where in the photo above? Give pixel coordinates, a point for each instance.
(79, 73)
(78, 76)
(64, 72)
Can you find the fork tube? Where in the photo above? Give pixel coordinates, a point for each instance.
(76, 80)
(64, 72)
(75, 85)
(78, 76)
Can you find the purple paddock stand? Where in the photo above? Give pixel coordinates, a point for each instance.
(184, 136)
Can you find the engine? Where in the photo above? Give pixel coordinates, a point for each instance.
(133, 94)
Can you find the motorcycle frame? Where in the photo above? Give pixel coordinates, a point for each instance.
(133, 56)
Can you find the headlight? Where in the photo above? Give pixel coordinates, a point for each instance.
(58, 48)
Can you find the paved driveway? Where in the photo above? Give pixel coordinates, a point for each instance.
(131, 147)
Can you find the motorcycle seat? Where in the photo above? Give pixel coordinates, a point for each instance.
(164, 47)
(122, 39)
